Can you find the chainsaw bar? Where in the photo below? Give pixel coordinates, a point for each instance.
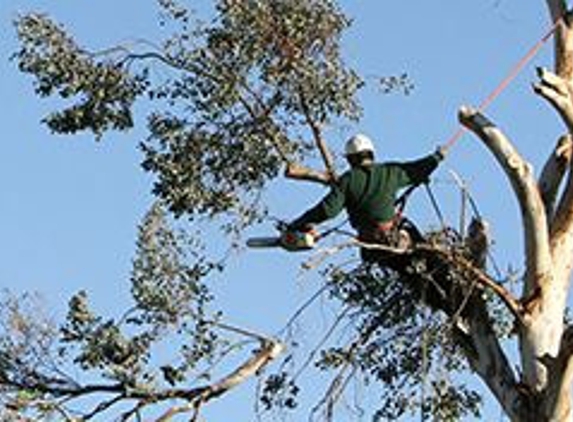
(291, 241)
(264, 242)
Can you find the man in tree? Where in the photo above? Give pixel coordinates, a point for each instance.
(368, 192)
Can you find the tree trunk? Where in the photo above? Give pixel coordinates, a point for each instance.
(542, 390)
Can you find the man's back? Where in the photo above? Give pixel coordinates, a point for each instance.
(368, 192)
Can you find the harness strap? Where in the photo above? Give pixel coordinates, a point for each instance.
(400, 202)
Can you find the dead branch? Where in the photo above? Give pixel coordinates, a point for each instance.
(175, 410)
(197, 397)
(268, 352)
(520, 174)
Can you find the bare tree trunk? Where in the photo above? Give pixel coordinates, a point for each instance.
(544, 391)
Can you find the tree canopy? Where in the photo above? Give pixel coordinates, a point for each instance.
(245, 97)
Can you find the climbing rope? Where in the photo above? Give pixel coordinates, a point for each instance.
(514, 71)
(436, 206)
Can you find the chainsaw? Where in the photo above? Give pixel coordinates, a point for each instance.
(290, 240)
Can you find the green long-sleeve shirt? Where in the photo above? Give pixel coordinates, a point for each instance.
(369, 193)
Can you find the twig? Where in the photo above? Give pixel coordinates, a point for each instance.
(302, 308)
(334, 390)
(322, 341)
(104, 406)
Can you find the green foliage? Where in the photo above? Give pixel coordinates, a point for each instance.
(403, 348)
(103, 93)
(279, 391)
(396, 350)
(402, 83)
(246, 89)
(242, 93)
(164, 285)
(41, 363)
(241, 97)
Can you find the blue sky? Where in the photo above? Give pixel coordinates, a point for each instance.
(70, 206)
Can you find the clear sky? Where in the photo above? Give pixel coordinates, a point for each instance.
(69, 206)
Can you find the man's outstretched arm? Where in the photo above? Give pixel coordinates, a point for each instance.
(329, 207)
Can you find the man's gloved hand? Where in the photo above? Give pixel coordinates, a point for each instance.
(299, 239)
(442, 151)
(303, 228)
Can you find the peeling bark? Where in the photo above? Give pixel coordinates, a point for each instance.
(487, 359)
(557, 403)
(541, 332)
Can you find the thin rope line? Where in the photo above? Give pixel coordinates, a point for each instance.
(515, 70)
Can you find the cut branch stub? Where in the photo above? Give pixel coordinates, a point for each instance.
(299, 172)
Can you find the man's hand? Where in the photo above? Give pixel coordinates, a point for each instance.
(442, 151)
(297, 227)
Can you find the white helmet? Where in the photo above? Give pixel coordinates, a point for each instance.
(359, 143)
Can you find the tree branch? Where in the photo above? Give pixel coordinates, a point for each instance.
(458, 262)
(297, 171)
(480, 277)
(563, 41)
(319, 140)
(553, 173)
(536, 234)
(269, 351)
(557, 91)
